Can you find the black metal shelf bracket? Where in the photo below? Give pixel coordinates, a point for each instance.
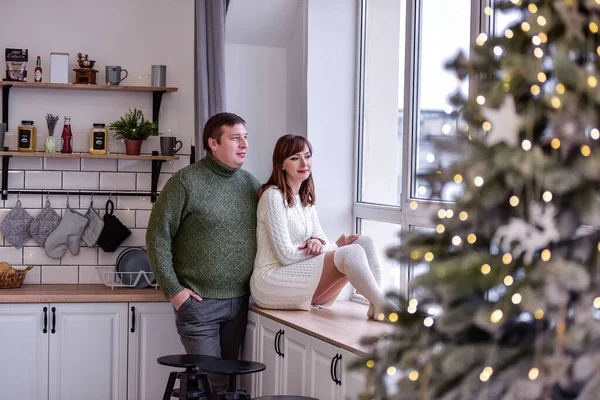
(5, 93)
(156, 100)
(156, 166)
(5, 160)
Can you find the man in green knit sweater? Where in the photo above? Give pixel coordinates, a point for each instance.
(201, 241)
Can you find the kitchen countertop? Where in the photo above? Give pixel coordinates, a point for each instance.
(342, 325)
(78, 294)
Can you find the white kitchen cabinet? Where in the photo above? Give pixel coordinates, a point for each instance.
(152, 334)
(88, 351)
(81, 355)
(24, 352)
(325, 371)
(354, 381)
(285, 353)
(249, 382)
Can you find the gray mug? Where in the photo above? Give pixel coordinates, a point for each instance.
(113, 74)
(169, 145)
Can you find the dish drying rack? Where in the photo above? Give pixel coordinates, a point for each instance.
(112, 278)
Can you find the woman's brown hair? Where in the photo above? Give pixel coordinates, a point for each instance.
(287, 146)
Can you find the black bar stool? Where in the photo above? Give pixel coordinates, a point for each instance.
(284, 397)
(189, 387)
(232, 368)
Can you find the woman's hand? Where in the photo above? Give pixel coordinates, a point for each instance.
(182, 296)
(346, 239)
(312, 247)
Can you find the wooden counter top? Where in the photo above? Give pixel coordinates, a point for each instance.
(342, 325)
(78, 294)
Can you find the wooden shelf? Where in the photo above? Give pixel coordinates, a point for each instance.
(80, 86)
(87, 155)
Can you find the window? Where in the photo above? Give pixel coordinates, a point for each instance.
(404, 111)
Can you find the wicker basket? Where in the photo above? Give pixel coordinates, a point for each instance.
(11, 278)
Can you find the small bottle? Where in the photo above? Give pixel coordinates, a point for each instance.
(38, 70)
(67, 137)
(98, 139)
(26, 136)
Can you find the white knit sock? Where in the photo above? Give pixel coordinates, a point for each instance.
(351, 260)
(368, 246)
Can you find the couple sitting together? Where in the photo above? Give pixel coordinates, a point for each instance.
(215, 234)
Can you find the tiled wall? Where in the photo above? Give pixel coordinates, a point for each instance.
(33, 173)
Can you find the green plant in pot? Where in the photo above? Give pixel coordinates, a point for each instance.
(133, 128)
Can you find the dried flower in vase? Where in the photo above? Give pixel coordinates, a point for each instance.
(51, 120)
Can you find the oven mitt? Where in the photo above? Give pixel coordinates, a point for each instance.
(67, 235)
(44, 224)
(15, 226)
(114, 232)
(94, 228)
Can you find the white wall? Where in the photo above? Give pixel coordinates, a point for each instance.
(256, 90)
(134, 34)
(331, 105)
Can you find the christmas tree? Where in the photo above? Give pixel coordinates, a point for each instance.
(510, 306)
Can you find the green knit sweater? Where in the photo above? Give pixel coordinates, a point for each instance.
(202, 231)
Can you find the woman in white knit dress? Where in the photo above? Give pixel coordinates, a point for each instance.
(297, 266)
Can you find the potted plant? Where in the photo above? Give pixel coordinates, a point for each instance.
(133, 128)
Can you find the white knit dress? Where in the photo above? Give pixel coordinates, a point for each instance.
(284, 278)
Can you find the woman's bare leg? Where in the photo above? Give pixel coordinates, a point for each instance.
(332, 281)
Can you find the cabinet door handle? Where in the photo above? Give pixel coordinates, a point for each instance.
(45, 330)
(132, 319)
(275, 342)
(338, 357)
(331, 366)
(279, 343)
(53, 320)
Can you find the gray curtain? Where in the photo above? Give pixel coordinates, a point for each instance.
(209, 84)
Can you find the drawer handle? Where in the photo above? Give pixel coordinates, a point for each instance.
(53, 320)
(132, 319)
(45, 330)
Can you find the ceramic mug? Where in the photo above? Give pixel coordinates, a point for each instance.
(169, 145)
(113, 74)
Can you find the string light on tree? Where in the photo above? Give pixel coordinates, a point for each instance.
(547, 196)
(463, 215)
(514, 201)
(496, 316)
(541, 21)
(428, 322)
(525, 26)
(413, 375)
(486, 269)
(595, 134)
(532, 8)
(533, 374)
(516, 298)
(478, 181)
(391, 371)
(509, 35)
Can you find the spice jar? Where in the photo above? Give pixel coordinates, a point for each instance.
(98, 139)
(26, 136)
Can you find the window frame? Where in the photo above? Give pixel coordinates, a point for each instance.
(403, 214)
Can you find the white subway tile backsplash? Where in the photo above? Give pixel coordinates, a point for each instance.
(62, 164)
(16, 179)
(60, 201)
(34, 276)
(26, 163)
(96, 164)
(37, 256)
(137, 238)
(176, 165)
(127, 217)
(117, 181)
(27, 200)
(92, 275)
(86, 256)
(135, 166)
(60, 274)
(105, 258)
(99, 203)
(11, 255)
(43, 179)
(141, 218)
(134, 203)
(144, 181)
(80, 180)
